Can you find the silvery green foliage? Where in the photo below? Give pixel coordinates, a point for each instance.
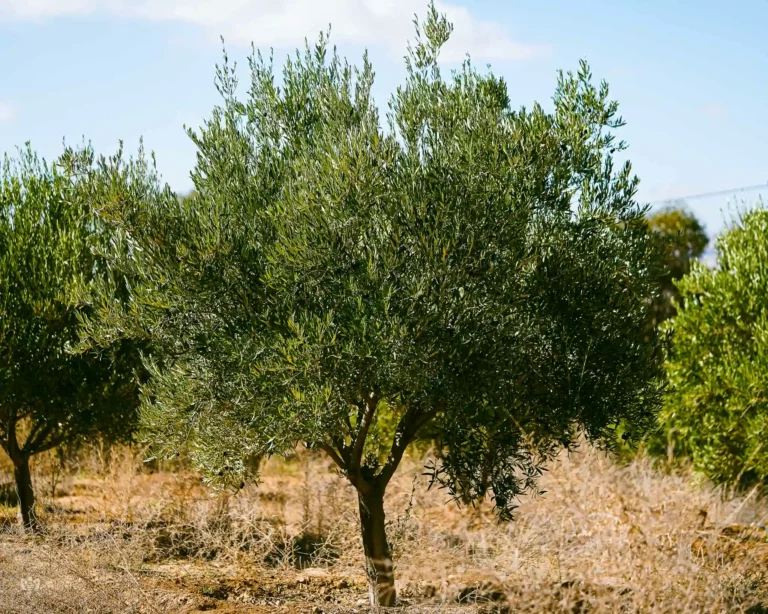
(717, 411)
(47, 240)
(456, 268)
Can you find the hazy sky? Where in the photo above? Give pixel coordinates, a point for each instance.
(690, 76)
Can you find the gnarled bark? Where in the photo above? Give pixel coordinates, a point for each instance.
(25, 493)
(378, 557)
(371, 486)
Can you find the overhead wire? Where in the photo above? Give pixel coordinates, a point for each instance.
(748, 188)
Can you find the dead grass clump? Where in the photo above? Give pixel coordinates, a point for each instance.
(605, 537)
(302, 551)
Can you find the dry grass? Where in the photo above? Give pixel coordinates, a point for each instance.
(605, 538)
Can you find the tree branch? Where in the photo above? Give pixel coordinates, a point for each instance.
(11, 443)
(34, 432)
(330, 451)
(362, 432)
(407, 429)
(48, 445)
(343, 449)
(4, 436)
(41, 445)
(36, 438)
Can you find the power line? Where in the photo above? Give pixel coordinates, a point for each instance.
(748, 188)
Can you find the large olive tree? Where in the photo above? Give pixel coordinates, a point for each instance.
(466, 271)
(47, 396)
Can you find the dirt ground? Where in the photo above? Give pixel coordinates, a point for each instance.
(605, 537)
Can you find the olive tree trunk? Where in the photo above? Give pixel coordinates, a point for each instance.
(378, 558)
(25, 493)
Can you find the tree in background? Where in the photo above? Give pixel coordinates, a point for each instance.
(717, 411)
(48, 397)
(684, 240)
(475, 273)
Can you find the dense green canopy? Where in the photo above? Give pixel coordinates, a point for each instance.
(47, 396)
(717, 411)
(465, 267)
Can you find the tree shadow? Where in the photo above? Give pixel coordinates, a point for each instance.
(8, 494)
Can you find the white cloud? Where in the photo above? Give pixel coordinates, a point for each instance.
(285, 23)
(483, 40)
(7, 113)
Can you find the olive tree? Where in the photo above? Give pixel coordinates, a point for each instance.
(47, 396)
(717, 411)
(479, 274)
(684, 240)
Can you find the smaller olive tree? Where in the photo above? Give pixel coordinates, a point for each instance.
(683, 241)
(467, 272)
(47, 396)
(717, 410)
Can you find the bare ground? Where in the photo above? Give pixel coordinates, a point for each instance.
(604, 538)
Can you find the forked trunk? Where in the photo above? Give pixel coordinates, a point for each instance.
(378, 558)
(25, 493)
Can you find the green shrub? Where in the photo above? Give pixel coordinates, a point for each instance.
(716, 410)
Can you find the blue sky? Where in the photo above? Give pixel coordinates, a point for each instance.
(690, 76)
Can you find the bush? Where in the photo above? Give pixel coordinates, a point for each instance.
(716, 411)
